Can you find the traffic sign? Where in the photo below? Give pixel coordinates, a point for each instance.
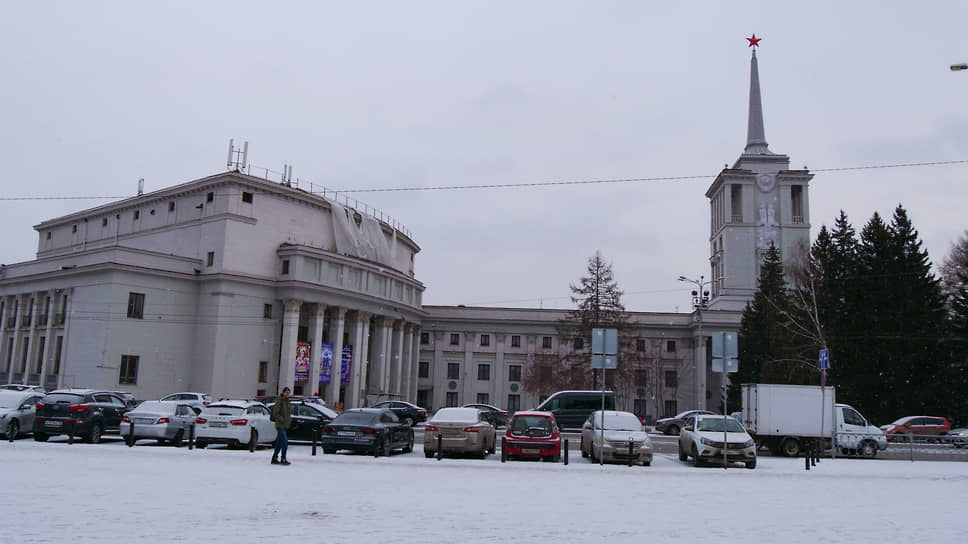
(824, 362)
(611, 361)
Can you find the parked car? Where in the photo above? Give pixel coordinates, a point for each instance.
(572, 408)
(409, 413)
(308, 417)
(624, 438)
(375, 430)
(165, 421)
(198, 400)
(930, 426)
(22, 387)
(702, 439)
(269, 400)
(17, 409)
(532, 434)
(86, 413)
(672, 425)
(958, 437)
(234, 422)
(462, 431)
(128, 398)
(496, 416)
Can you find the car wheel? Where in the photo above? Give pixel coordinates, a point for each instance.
(646, 463)
(329, 450)
(583, 452)
(253, 439)
(383, 448)
(790, 447)
(409, 447)
(696, 461)
(868, 449)
(682, 455)
(95, 435)
(201, 444)
(409, 421)
(591, 453)
(13, 429)
(493, 449)
(177, 440)
(40, 437)
(672, 429)
(751, 464)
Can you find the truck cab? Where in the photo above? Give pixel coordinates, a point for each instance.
(856, 435)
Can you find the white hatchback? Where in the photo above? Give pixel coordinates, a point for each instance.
(234, 422)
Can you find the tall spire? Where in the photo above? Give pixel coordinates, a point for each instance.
(755, 134)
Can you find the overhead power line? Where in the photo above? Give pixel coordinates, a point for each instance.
(533, 183)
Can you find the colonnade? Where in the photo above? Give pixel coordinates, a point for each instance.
(31, 336)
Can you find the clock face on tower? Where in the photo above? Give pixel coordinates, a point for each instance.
(765, 182)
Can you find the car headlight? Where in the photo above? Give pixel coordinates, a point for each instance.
(748, 443)
(706, 441)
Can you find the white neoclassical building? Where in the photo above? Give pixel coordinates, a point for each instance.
(237, 286)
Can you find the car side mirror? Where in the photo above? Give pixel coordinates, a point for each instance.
(26, 406)
(688, 428)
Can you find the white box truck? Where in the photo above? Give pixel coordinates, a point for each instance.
(785, 418)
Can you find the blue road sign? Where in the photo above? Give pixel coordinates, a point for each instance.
(824, 362)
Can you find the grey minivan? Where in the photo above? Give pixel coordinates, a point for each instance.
(572, 408)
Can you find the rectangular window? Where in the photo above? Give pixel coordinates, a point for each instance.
(671, 346)
(796, 194)
(484, 372)
(209, 197)
(104, 222)
(210, 259)
(641, 378)
(423, 370)
(129, 370)
(451, 399)
(544, 374)
(247, 197)
(40, 354)
(483, 398)
(137, 215)
(424, 338)
(23, 357)
(736, 203)
(669, 408)
(640, 345)
(454, 339)
(285, 267)
(546, 342)
(453, 371)
(514, 403)
(671, 378)
(263, 371)
(578, 342)
(171, 206)
(57, 355)
(514, 373)
(48, 235)
(74, 229)
(515, 341)
(485, 339)
(9, 354)
(267, 311)
(136, 305)
(424, 398)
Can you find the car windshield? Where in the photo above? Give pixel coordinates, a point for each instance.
(716, 425)
(222, 410)
(523, 424)
(156, 406)
(619, 422)
(325, 411)
(687, 413)
(356, 418)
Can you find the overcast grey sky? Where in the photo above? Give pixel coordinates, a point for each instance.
(398, 94)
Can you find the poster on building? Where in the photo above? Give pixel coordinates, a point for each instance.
(325, 362)
(347, 360)
(303, 352)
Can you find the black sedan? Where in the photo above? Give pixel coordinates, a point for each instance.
(495, 416)
(411, 413)
(308, 417)
(370, 430)
(81, 412)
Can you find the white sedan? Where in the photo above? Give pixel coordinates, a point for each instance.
(625, 440)
(234, 422)
(702, 439)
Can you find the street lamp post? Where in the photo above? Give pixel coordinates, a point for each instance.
(700, 300)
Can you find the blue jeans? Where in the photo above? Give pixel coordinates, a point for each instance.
(282, 443)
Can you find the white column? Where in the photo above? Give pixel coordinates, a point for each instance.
(5, 348)
(699, 357)
(354, 386)
(50, 343)
(65, 346)
(365, 357)
(414, 363)
(18, 338)
(336, 328)
(403, 390)
(316, 348)
(379, 369)
(396, 359)
(290, 334)
(33, 337)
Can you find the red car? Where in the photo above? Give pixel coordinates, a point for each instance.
(930, 426)
(532, 435)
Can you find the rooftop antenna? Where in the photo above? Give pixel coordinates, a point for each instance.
(141, 186)
(287, 175)
(238, 159)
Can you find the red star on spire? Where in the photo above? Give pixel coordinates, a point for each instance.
(754, 41)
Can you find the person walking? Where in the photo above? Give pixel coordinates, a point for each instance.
(282, 418)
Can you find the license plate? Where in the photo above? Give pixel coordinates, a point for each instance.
(218, 424)
(53, 423)
(144, 421)
(345, 433)
(530, 451)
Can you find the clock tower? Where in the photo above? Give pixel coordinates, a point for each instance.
(757, 203)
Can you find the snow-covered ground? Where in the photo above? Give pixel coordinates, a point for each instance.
(54, 492)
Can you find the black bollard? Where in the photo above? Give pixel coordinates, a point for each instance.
(630, 453)
(504, 449)
(70, 437)
(440, 449)
(566, 451)
(10, 435)
(806, 460)
(251, 441)
(130, 439)
(315, 439)
(191, 436)
(813, 455)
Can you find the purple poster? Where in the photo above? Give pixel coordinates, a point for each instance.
(347, 360)
(303, 352)
(325, 362)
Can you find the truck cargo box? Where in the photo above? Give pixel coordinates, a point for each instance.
(789, 410)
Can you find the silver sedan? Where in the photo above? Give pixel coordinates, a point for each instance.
(164, 421)
(459, 430)
(17, 409)
(624, 438)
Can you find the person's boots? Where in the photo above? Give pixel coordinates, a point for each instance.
(274, 461)
(284, 462)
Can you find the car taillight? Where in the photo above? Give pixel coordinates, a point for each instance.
(79, 408)
(327, 429)
(200, 420)
(40, 406)
(126, 419)
(162, 420)
(472, 429)
(430, 428)
(422, 412)
(239, 422)
(368, 431)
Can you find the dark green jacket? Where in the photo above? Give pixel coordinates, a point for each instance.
(280, 412)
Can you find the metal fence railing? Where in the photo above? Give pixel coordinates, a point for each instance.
(913, 447)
